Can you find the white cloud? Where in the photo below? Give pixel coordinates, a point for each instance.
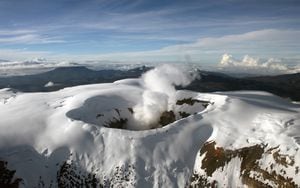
(21, 55)
(262, 43)
(26, 36)
(253, 65)
(4, 32)
(251, 41)
(28, 39)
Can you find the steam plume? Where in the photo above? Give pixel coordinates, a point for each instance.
(159, 93)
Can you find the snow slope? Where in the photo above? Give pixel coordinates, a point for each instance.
(50, 138)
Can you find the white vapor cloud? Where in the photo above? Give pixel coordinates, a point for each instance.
(159, 91)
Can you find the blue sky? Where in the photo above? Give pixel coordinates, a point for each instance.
(140, 30)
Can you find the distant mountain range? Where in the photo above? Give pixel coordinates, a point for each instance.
(286, 86)
(3, 60)
(66, 77)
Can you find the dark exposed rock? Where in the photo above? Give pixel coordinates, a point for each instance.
(190, 101)
(68, 176)
(99, 115)
(200, 181)
(130, 110)
(166, 118)
(215, 157)
(123, 176)
(184, 114)
(120, 123)
(284, 160)
(7, 178)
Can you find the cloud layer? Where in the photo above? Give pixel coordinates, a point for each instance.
(254, 65)
(26, 37)
(261, 43)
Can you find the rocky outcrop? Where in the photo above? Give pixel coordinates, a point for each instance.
(251, 173)
(7, 176)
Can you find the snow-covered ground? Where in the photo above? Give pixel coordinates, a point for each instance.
(42, 133)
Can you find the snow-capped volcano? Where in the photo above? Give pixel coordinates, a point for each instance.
(144, 133)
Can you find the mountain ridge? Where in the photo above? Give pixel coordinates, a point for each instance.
(285, 86)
